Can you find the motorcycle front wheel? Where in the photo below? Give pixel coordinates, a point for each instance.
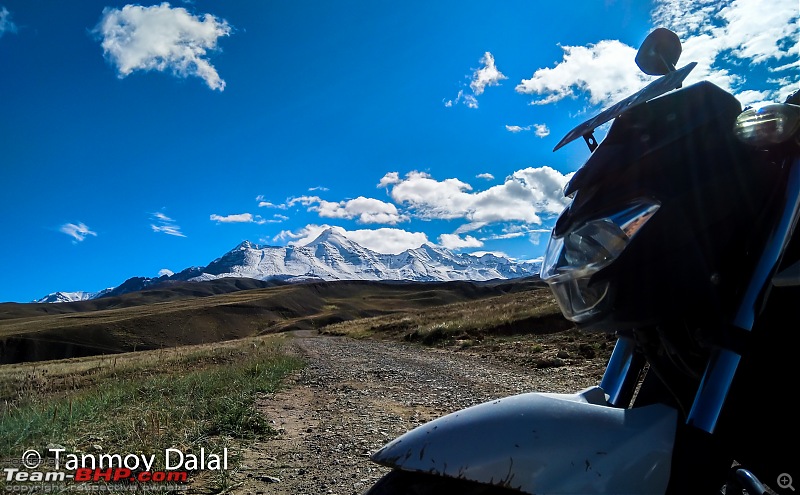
(399, 482)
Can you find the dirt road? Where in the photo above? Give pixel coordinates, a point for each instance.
(356, 395)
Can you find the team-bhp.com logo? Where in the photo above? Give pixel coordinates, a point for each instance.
(76, 469)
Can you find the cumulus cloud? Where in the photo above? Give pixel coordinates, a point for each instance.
(488, 75)
(718, 35)
(165, 272)
(455, 242)
(541, 130)
(6, 24)
(360, 209)
(486, 176)
(383, 240)
(523, 196)
(238, 218)
(162, 38)
(605, 71)
(78, 231)
(165, 225)
(363, 210)
(389, 179)
(739, 32)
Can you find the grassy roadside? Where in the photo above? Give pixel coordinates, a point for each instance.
(189, 398)
(463, 323)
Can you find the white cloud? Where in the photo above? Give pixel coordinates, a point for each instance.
(541, 130)
(536, 237)
(470, 101)
(723, 37)
(6, 24)
(78, 231)
(387, 240)
(469, 227)
(267, 204)
(302, 236)
(514, 232)
(165, 225)
(363, 210)
(746, 27)
(522, 197)
(508, 235)
(389, 179)
(486, 176)
(454, 241)
(450, 103)
(162, 38)
(303, 200)
(488, 75)
(318, 188)
(737, 33)
(383, 240)
(238, 218)
(165, 272)
(167, 229)
(606, 71)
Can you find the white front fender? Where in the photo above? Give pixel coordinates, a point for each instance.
(545, 443)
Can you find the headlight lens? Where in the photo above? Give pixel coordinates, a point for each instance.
(769, 124)
(571, 260)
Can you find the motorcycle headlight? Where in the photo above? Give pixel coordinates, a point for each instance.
(769, 124)
(572, 259)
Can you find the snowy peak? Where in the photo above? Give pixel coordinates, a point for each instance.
(330, 236)
(244, 245)
(60, 297)
(332, 256)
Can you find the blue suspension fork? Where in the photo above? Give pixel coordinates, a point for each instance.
(625, 365)
(723, 363)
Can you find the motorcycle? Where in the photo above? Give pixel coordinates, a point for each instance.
(681, 239)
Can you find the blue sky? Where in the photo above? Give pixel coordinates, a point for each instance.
(138, 138)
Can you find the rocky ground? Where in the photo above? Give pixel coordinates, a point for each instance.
(356, 395)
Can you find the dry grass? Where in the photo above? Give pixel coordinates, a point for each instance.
(187, 398)
(525, 312)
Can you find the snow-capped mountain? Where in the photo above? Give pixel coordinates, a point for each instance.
(57, 297)
(332, 256)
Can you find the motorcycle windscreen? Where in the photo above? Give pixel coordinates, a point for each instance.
(545, 443)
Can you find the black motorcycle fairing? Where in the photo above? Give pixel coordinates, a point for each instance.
(657, 123)
(679, 150)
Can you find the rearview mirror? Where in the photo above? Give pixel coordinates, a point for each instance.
(659, 52)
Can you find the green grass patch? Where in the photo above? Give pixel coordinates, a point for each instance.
(192, 400)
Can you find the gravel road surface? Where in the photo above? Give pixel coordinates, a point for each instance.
(356, 395)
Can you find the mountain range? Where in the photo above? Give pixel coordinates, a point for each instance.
(331, 256)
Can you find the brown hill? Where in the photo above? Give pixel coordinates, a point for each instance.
(194, 313)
